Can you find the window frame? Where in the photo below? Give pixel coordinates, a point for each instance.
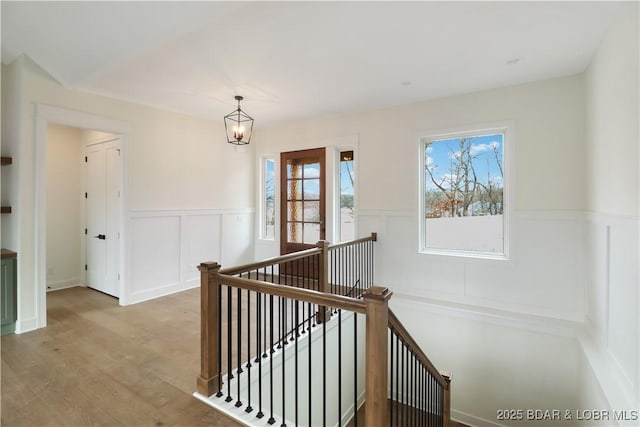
(507, 129)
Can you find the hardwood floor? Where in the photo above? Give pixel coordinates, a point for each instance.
(97, 363)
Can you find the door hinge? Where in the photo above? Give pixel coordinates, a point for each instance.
(118, 276)
(85, 267)
(85, 195)
(86, 159)
(85, 231)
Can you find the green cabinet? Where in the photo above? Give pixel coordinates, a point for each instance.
(8, 296)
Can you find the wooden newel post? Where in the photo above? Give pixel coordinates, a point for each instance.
(324, 313)
(208, 380)
(377, 403)
(446, 401)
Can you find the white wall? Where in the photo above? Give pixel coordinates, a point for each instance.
(545, 275)
(11, 101)
(64, 206)
(175, 165)
(613, 205)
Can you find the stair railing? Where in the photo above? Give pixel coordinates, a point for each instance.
(286, 298)
(420, 395)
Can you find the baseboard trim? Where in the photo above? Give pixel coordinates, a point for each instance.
(26, 325)
(471, 420)
(150, 294)
(63, 284)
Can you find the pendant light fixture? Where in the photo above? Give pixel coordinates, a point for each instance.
(238, 126)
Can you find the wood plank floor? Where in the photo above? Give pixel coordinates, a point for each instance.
(97, 363)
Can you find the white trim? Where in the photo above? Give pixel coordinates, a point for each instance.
(45, 114)
(471, 420)
(149, 294)
(388, 213)
(495, 316)
(26, 325)
(56, 285)
(152, 213)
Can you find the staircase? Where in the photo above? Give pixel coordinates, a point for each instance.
(306, 339)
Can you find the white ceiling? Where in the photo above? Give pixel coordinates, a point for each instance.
(299, 59)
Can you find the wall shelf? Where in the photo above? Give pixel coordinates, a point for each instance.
(6, 161)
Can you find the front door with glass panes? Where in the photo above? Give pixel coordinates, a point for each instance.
(302, 213)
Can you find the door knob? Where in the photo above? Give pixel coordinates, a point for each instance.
(100, 236)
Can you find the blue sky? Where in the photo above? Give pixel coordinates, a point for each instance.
(439, 154)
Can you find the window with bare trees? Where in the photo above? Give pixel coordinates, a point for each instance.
(463, 193)
(268, 220)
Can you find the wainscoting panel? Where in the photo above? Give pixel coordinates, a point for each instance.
(613, 295)
(155, 244)
(544, 275)
(167, 246)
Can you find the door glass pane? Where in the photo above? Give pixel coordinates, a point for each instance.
(294, 211)
(294, 170)
(312, 211)
(294, 232)
(311, 233)
(311, 189)
(294, 189)
(312, 170)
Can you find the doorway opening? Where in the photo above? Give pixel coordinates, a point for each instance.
(93, 130)
(83, 175)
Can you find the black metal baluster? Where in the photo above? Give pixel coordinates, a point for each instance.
(420, 395)
(411, 389)
(259, 297)
(355, 369)
(404, 384)
(324, 372)
(284, 317)
(391, 336)
(339, 368)
(229, 344)
(360, 265)
(248, 366)
(310, 364)
(271, 419)
(219, 393)
(415, 390)
(279, 346)
(398, 379)
(239, 343)
(297, 323)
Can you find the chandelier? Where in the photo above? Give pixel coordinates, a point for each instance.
(238, 125)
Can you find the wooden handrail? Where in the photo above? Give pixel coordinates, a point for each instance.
(372, 238)
(270, 261)
(397, 327)
(293, 256)
(301, 294)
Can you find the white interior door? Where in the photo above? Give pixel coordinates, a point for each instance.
(103, 188)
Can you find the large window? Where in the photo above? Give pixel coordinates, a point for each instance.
(464, 193)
